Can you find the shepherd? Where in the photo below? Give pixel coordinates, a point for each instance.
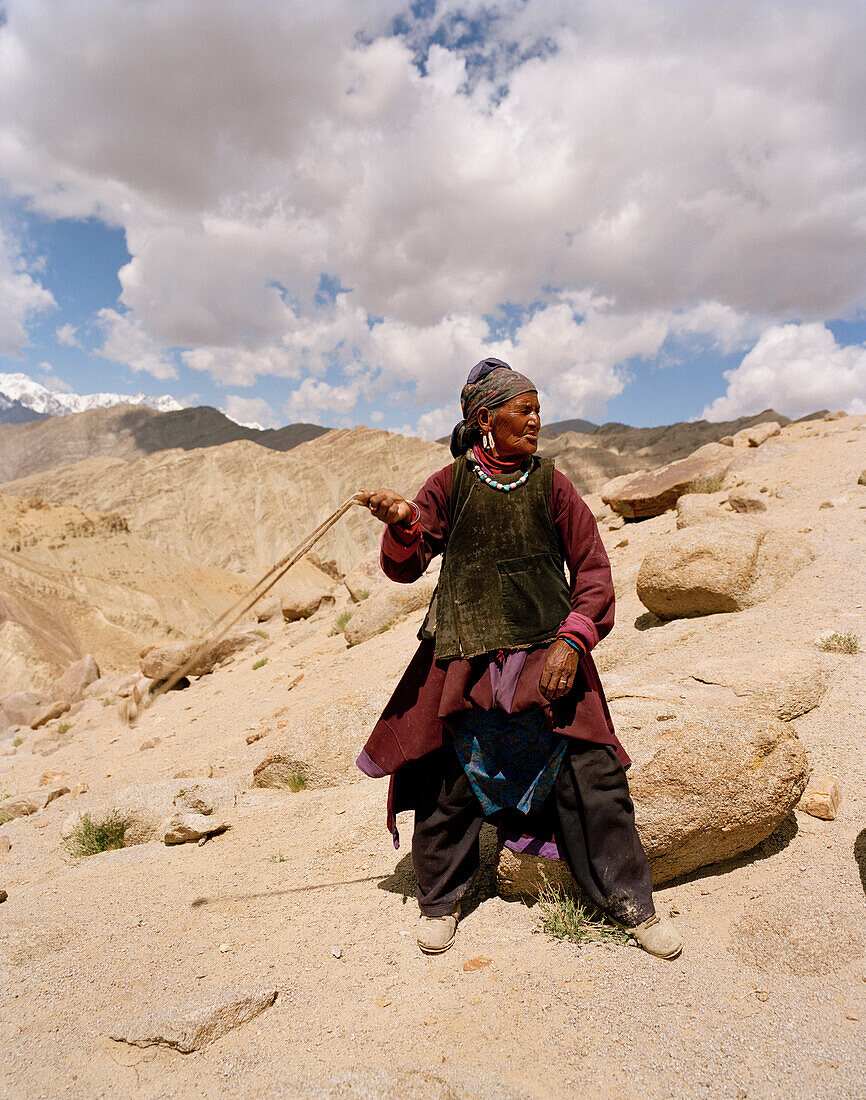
(501, 715)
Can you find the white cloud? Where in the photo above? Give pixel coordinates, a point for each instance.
(66, 335)
(250, 412)
(21, 296)
(795, 369)
(127, 342)
(313, 398)
(685, 174)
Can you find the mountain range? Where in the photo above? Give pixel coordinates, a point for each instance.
(22, 400)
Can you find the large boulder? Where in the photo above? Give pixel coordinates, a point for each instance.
(757, 434)
(72, 685)
(163, 661)
(386, 606)
(649, 493)
(318, 745)
(718, 567)
(303, 590)
(29, 708)
(708, 783)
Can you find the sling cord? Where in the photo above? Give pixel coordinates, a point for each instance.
(250, 598)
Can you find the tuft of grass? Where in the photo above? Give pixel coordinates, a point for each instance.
(712, 483)
(278, 857)
(364, 594)
(849, 642)
(341, 620)
(90, 837)
(106, 702)
(568, 918)
(63, 728)
(295, 782)
(260, 633)
(260, 663)
(16, 741)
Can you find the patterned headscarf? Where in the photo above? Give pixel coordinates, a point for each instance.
(491, 383)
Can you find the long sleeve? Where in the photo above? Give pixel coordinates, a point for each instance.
(406, 553)
(592, 598)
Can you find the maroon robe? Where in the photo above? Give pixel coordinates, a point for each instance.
(414, 721)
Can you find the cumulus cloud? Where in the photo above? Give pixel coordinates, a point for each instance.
(250, 412)
(795, 369)
(66, 335)
(21, 296)
(690, 171)
(127, 342)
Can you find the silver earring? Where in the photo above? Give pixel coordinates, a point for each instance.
(488, 441)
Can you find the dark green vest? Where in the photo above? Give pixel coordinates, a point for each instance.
(502, 584)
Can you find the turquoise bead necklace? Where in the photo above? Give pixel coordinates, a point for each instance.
(494, 484)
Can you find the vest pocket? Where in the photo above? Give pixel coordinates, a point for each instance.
(535, 596)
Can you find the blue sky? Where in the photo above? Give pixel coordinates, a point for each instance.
(330, 213)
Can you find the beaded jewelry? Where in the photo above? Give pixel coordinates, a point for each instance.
(494, 484)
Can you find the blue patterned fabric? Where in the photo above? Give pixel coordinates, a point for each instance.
(510, 760)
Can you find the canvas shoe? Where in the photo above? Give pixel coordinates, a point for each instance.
(436, 934)
(658, 936)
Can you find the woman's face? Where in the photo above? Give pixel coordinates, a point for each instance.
(515, 425)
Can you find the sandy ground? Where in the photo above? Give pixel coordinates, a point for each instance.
(306, 895)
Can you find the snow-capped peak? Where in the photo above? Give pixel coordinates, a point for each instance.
(23, 390)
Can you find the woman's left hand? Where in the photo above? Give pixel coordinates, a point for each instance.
(560, 668)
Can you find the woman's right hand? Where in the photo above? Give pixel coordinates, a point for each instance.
(386, 505)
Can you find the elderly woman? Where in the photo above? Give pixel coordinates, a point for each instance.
(501, 714)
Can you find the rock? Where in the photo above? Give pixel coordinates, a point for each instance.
(366, 577)
(55, 710)
(150, 743)
(195, 1021)
(787, 685)
(3, 895)
(256, 735)
(75, 681)
(821, 798)
(638, 496)
(183, 827)
(696, 508)
(143, 808)
(718, 567)
(303, 604)
(708, 785)
(318, 746)
(756, 435)
(52, 778)
(197, 798)
(5, 844)
(727, 441)
(161, 663)
(22, 708)
(303, 591)
(269, 609)
(861, 480)
(746, 503)
(386, 606)
(837, 414)
(825, 504)
(23, 805)
(522, 875)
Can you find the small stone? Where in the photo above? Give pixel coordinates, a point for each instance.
(821, 798)
(477, 963)
(337, 952)
(621, 545)
(256, 735)
(202, 841)
(151, 743)
(5, 844)
(848, 1015)
(383, 1002)
(861, 480)
(746, 503)
(3, 895)
(184, 827)
(224, 947)
(825, 504)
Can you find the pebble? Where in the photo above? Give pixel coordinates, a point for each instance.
(256, 735)
(3, 895)
(224, 947)
(337, 952)
(5, 844)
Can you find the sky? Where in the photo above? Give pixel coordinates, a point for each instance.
(329, 211)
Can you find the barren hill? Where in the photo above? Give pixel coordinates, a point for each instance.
(75, 582)
(241, 506)
(128, 432)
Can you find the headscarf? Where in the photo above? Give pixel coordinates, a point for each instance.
(491, 383)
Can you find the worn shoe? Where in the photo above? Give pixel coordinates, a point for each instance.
(436, 934)
(658, 936)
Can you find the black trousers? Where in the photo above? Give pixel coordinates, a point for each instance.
(589, 811)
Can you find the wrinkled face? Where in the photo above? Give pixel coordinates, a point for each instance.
(515, 425)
